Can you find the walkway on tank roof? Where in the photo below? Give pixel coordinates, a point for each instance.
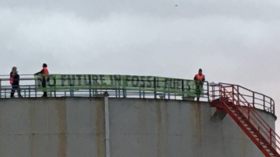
(130, 86)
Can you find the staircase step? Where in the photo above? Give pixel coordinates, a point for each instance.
(271, 150)
(263, 139)
(240, 115)
(243, 119)
(250, 127)
(265, 144)
(255, 134)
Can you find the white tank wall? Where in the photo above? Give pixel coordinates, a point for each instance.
(159, 128)
(52, 128)
(74, 127)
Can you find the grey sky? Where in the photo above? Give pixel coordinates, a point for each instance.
(233, 41)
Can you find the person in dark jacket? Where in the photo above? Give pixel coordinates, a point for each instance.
(14, 81)
(44, 71)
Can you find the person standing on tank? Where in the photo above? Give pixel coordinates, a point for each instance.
(45, 79)
(14, 81)
(199, 79)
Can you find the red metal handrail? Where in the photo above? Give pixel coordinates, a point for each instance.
(260, 120)
(254, 98)
(258, 100)
(252, 115)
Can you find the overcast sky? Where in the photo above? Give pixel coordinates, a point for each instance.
(233, 41)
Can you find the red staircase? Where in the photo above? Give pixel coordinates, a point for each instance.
(241, 105)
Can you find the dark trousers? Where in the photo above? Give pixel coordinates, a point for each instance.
(15, 88)
(44, 85)
(198, 91)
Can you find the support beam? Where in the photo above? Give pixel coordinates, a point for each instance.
(107, 129)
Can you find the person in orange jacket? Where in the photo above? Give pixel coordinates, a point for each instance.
(44, 71)
(199, 79)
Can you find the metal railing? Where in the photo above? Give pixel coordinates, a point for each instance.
(29, 89)
(247, 101)
(243, 96)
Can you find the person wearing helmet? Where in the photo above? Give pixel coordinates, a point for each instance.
(14, 81)
(199, 79)
(44, 71)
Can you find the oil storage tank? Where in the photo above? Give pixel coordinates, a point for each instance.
(135, 116)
